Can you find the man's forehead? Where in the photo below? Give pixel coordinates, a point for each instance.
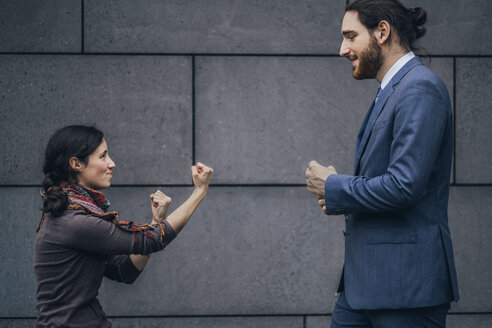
(351, 23)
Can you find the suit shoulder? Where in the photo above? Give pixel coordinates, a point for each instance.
(421, 74)
(421, 78)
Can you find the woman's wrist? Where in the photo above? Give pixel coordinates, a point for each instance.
(200, 191)
(157, 221)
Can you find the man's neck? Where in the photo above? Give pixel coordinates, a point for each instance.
(389, 60)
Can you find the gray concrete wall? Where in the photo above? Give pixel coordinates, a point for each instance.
(255, 89)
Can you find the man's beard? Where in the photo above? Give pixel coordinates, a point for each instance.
(370, 62)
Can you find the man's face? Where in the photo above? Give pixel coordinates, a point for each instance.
(360, 47)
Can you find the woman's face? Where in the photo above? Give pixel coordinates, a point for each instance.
(97, 173)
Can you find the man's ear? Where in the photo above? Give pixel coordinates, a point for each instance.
(382, 32)
(75, 164)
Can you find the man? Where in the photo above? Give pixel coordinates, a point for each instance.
(399, 266)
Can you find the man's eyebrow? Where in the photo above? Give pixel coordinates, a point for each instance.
(347, 32)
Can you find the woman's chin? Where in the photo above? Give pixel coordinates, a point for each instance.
(102, 186)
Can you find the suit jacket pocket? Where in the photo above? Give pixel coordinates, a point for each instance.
(379, 125)
(393, 235)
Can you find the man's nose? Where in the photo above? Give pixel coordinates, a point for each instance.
(344, 50)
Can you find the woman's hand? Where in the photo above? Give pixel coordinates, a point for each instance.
(159, 203)
(201, 179)
(201, 176)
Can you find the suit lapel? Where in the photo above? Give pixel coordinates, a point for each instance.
(361, 133)
(370, 123)
(378, 107)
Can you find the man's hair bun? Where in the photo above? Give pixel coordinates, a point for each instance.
(419, 18)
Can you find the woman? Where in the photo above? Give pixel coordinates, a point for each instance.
(79, 241)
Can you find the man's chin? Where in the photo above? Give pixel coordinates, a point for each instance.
(356, 75)
(362, 75)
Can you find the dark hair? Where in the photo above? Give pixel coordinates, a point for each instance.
(408, 22)
(71, 141)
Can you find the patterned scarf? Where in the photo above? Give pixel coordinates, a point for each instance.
(89, 200)
(94, 202)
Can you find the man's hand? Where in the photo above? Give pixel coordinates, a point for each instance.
(316, 175)
(322, 204)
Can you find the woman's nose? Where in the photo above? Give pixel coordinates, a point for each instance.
(111, 164)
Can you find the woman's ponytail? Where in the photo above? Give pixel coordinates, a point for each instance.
(55, 200)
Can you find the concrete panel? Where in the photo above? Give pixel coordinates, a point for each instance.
(470, 221)
(261, 119)
(469, 321)
(318, 322)
(214, 26)
(17, 323)
(216, 322)
(273, 115)
(141, 103)
(247, 250)
(41, 26)
(456, 27)
(473, 120)
(20, 215)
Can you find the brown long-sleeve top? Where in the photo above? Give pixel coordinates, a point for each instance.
(72, 254)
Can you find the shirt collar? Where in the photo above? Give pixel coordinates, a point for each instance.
(395, 68)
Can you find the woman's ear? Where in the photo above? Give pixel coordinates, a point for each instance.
(75, 164)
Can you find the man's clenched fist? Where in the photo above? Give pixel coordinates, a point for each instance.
(316, 175)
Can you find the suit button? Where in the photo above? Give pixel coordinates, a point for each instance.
(338, 211)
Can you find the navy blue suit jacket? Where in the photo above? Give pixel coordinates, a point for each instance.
(398, 251)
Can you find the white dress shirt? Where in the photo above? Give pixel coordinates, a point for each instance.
(395, 68)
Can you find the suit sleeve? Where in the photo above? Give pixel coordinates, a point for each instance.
(419, 125)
